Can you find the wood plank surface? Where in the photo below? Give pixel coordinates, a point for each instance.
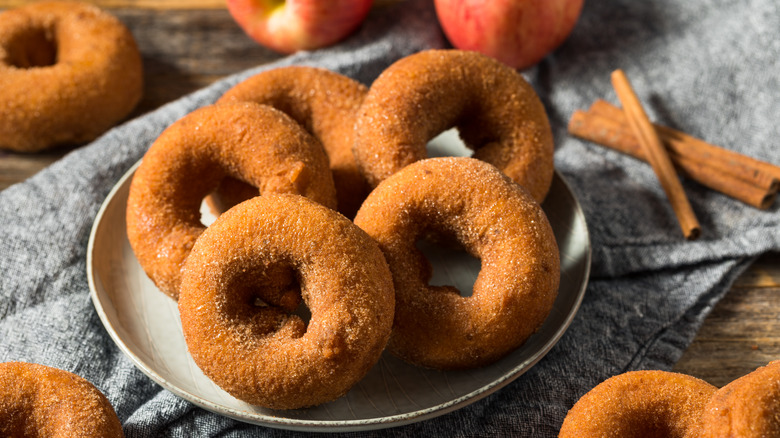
(188, 44)
(743, 330)
(184, 51)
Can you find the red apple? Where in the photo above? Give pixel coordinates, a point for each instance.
(518, 33)
(292, 25)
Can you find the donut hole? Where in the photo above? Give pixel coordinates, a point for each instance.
(657, 421)
(303, 312)
(452, 266)
(228, 193)
(267, 299)
(20, 415)
(448, 144)
(35, 47)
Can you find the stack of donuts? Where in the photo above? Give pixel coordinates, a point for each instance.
(322, 188)
(667, 404)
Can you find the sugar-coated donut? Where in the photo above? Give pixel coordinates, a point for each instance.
(265, 355)
(496, 112)
(325, 103)
(639, 404)
(68, 72)
(42, 401)
(495, 220)
(748, 407)
(251, 142)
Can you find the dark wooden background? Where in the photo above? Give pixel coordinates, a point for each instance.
(188, 44)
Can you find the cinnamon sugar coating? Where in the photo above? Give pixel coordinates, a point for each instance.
(493, 219)
(748, 407)
(325, 103)
(640, 404)
(68, 72)
(496, 112)
(263, 354)
(247, 141)
(41, 401)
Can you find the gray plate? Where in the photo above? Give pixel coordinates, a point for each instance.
(145, 325)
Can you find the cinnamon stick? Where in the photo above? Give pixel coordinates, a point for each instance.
(759, 173)
(594, 126)
(727, 184)
(656, 153)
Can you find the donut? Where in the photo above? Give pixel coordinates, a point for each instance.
(496, 112)
(42, 401)
(470, 202)
(68, 72)
(263, 354)
(251, 142)
(325, 103)
(639, 404)
(748, 407)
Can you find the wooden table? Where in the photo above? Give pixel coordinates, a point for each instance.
(188, 44)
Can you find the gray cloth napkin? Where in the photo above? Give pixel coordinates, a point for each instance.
(708, 67)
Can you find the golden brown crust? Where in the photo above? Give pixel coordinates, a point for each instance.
(748, 407)
(496, 111)
(251, 142)
(95, 80)
(325, 103)
(495, 220)
(639, 404)
(37, 400)
(265, 355)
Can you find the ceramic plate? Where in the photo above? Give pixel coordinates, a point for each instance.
(145, 325)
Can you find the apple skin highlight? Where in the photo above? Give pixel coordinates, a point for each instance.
(518, 33)
(293, 25)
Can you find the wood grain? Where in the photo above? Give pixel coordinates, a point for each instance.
(184, 51)
(743, 331)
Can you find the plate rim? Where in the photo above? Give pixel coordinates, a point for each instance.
(333, 425)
